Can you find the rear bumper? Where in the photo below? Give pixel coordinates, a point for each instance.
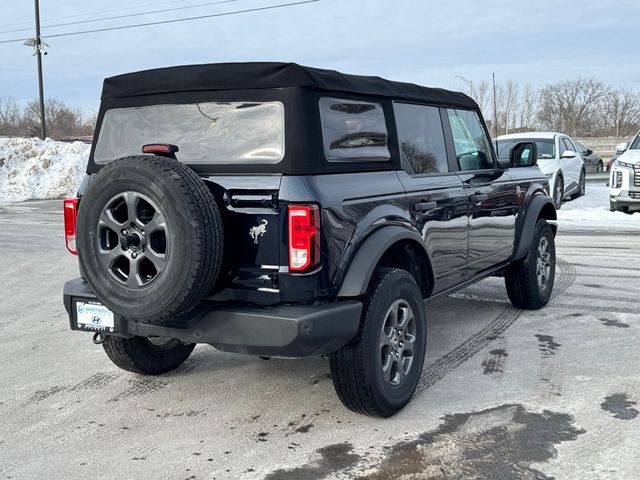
(279, 331)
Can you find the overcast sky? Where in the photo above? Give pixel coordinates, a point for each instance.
(426, 42)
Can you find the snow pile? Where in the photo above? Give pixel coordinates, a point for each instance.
(33, 168)
(591, 212)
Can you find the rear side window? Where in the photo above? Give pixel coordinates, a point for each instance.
(353, 130)
(470, 139)
(205, 133)
(421, 138)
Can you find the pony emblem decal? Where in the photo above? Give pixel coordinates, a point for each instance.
(258, 231)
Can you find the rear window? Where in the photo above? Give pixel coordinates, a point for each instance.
(353, 130)
(546, 147)
(205, 133)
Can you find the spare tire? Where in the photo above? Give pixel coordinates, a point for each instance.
(150, 238)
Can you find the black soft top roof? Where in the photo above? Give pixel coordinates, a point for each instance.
(258, 75)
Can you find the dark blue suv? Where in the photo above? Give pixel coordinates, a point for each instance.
(278, 210)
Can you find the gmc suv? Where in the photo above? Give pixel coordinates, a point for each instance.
(272, 209)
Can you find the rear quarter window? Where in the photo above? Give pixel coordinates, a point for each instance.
(353, 130)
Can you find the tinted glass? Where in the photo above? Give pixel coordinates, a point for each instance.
(568, 145)
(472, 146)
(635, 145)
(353, 130)
(581, 148)
(546, 147)
(421, 138)
(213, 133)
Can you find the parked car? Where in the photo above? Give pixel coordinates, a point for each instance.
(558, 159)
(272, 209)
(592, 161)
(620, 149)
(624, 180)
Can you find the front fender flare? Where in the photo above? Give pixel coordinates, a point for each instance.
(532, 213)
(366, 258)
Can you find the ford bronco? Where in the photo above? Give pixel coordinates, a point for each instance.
(277, 210)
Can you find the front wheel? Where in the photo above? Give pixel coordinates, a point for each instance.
(146, 356)
(377, 372)
(529, 281)
(599, 167)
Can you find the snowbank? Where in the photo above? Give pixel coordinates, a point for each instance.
(31, 168)
(591, 212)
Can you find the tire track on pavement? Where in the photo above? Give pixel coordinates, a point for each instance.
(457, 356)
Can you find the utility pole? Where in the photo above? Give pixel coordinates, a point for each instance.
(39, 48)
(495, 108)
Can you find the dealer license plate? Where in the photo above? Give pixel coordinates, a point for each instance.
(93, 316)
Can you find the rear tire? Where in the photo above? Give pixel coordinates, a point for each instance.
(558, 192)
(146, 356)
(582, 186)
(599, 167)
(377, 372)
(530, 281)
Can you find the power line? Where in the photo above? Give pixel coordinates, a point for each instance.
(122, 16)
(155, 4)
(175, 20)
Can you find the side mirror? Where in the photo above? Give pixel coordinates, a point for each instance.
(588, 151)
(622, 147)
(523, 154)
(504, 163)
(568, 154)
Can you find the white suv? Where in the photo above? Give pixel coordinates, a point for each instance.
(558, 159)
(624, 181)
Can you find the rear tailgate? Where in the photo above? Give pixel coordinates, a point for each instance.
(252, 231)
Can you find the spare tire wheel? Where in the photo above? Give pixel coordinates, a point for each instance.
(150, 238)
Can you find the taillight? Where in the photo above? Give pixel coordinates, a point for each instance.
(70, 214)
(304, 237)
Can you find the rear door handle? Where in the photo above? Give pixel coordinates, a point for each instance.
(478, 197)
(425, 206)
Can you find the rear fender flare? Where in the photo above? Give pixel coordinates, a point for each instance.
(366, 258)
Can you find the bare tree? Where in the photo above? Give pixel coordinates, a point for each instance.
(10, 116)
(509, 103)
(622, 111)
(527, 107)
(481, 95)
(568, 106)
(60, 119)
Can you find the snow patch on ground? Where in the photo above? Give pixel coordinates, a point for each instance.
(591, 212)
(31, 168)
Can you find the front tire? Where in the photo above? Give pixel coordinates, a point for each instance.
(377, 372)
(599, 167)
(530, 281)
(146, 356)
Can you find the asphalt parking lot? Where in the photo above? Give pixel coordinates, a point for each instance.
(505, 393)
